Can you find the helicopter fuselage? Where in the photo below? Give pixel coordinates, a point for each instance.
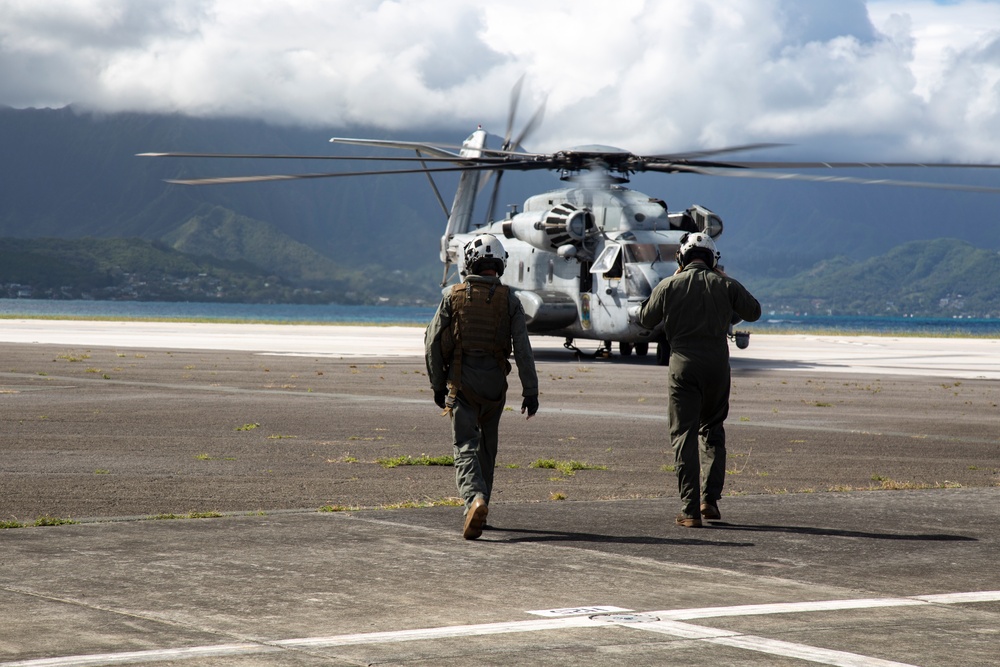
(583, 259)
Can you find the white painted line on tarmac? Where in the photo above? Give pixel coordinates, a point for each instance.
(578, 611)
(448, 632)
(131, 657)
(662, 622)
(794, 607)
(785, 649)
(958, 598)
(802, 652)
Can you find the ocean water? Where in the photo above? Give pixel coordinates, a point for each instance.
(910, 326)
(292, 313)
(250, 312)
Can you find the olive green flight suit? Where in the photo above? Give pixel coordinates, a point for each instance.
(696, 307)
(479, 403)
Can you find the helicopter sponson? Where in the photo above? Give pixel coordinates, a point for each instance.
(564, 229)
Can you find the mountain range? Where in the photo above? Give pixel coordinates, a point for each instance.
(70, 175)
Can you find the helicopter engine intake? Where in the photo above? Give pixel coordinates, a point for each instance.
(555, 230)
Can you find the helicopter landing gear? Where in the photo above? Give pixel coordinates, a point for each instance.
(625, 349)
(603, 352)
(568, 344)
(641, 349)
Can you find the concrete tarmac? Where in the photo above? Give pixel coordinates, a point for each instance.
(861, 528)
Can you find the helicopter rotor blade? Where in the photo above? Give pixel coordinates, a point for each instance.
(387, 172)
(431, 149)
(533, 123)
(374, 158)
(851, 165)
(672, 157)
(515, 100)
(818, 178)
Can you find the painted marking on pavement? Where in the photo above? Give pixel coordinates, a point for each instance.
(577, 611)
(667, 622)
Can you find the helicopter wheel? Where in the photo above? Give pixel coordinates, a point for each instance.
(641, 349)
(625, 348)
(663, 353)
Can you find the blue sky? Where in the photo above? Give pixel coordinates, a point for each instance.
(882, 79)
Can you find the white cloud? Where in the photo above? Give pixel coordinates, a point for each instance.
(886, 79)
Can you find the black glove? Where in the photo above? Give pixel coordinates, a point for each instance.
(439, 396)
(530, 403)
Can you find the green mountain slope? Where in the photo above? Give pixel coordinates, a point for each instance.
(130, 269)
(930, 278)
(222, 234)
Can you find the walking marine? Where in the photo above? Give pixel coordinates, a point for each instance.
(475, 329)
(696, 307)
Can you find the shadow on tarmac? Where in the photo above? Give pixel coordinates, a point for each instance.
(742, 363)
(538, 536)
(835, 532)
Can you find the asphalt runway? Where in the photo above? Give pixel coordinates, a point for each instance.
(861, 525)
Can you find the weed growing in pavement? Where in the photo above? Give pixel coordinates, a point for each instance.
(422, 460)
(74, 358)
(567, 468)
(887, 484)
(189, 515)
(248, 427)
(40, 521)
(557, 495)
(47, 520)
(414, 504)
(402, 505)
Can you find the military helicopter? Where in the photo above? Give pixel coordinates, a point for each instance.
(582, 258)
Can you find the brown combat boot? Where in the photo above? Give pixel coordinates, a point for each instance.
(710, 512)
(475, 519)
(688, 521)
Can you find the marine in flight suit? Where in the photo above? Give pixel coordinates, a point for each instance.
(478, 324)
(696, 307)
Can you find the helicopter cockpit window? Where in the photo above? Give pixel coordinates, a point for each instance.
(647, 253)
(607, 260)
